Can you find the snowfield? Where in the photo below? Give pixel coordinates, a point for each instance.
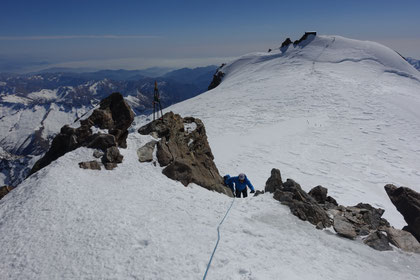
(340, 113)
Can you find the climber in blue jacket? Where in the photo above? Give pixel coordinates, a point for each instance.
(241, 182)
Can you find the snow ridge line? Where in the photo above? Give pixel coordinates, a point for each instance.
(218, 239)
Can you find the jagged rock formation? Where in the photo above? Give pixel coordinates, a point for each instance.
(285, 43)
(5, 190)
(217, 77)
(274, 182)
(185, 152)
(361, 220)
(407, 202)
(304, 37)
(300, 203)
(113, 114)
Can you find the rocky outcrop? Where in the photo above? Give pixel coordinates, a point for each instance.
(300, 203)
(217, 77)
(113, 115)
(5, 190)
(185, 152)
(274, 182)
(407, 202)
(359, 221)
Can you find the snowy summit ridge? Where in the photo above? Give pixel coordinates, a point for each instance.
(330, 111)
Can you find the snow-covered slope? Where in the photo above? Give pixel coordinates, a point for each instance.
(337, 112)
(348, 123)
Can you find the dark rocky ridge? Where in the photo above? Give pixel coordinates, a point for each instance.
(185, 152)
(113, 114)
(350, 222)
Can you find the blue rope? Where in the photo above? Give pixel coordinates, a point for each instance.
(218, 238)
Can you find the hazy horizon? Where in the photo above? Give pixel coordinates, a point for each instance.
(138, 35)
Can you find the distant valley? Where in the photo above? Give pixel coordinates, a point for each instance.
(35, 106)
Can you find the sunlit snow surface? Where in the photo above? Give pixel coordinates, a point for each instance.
(351, 126)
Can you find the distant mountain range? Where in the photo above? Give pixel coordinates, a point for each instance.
(414, 62)
(35, 106)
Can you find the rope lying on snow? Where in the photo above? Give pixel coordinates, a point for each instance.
(218, 238)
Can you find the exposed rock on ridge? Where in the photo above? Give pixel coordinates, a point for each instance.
(113, 114)
(362, 220)
(185, 152)
(217, 77)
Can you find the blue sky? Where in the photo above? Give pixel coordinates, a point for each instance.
(140, 34)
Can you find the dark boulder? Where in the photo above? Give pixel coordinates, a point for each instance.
(319, 193)
(5, 190)
(113, 114)
(94, 165)
(407, 202)
(378, 241)
(185, 152)
(274, 182)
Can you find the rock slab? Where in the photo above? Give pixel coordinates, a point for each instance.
(145, 153)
